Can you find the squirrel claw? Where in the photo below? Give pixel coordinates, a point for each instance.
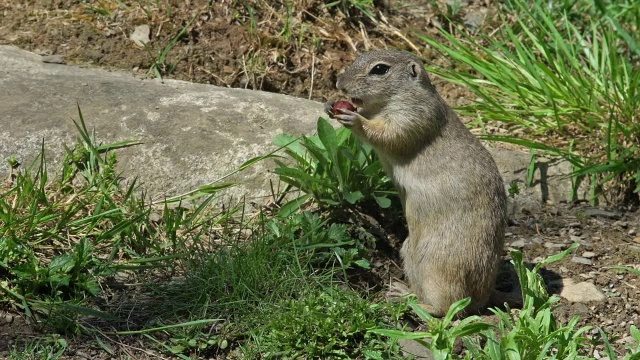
(348, 118)
(328, 108)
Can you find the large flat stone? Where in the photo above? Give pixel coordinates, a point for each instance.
(193, 134)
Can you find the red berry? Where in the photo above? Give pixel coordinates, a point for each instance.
(342, 105)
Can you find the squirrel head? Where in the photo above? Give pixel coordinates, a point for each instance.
(376, 77)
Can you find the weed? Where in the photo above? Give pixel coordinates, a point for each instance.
(50, 347)
(555, 80)
(334, 169)
(326, 324)
(366, 7)
(514, 189)
(160, 65)
(244, 282)
(34, 213)
(99, 9)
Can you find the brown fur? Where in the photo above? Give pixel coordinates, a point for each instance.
(452, 193)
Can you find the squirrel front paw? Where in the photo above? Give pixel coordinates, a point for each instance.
(349, 118)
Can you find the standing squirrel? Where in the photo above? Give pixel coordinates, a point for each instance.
(452, 194)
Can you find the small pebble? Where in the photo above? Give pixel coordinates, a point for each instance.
(627, 340)
(518, 243)
(622, 224)
(593, 212)
(632, 232)
(588, 254)
(536, 240)
(155, 217)
(581, 308)
(581, 260)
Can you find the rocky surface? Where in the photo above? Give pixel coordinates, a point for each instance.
(191, 134)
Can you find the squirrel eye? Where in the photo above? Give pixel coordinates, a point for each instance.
(379, 69)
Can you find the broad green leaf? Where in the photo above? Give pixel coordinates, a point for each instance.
(352, 197)
(383, 201)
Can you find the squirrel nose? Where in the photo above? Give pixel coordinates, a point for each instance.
(340, 82)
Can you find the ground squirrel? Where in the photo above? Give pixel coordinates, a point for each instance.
(452, 194)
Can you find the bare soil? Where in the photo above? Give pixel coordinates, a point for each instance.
(297, 48)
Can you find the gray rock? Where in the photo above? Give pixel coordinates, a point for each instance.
(581, 260)
(459, 3)
(473, 20)
(594, 212)
(520, 243)
(192, 134)
(588, 254)
(550, 245)
(622, 224)
(414, 348)
(580, 292)
(535, 240)
(551, 182)
(575, 238)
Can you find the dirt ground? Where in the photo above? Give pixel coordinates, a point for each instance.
(297, 48)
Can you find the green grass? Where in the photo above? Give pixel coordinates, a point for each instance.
(206, 282)
(84, 254)
(49, 347)
(70, 242)
(564, 76)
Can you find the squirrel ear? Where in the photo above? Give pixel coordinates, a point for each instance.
(414, 69)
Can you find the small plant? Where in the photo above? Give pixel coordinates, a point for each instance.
(100, 8)
(334, 169)
(50, 347)
(32, 218)
(317, 241)
(160, 65)
(365, 7)
(327, 324)
(554, 80)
